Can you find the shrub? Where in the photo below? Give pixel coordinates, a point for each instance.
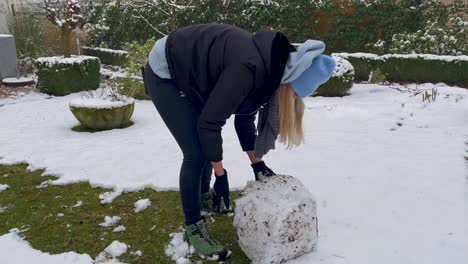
(341, 81)
(62, 76)
(443, 34)
(108, 56)
(28, 31)
(411, 67)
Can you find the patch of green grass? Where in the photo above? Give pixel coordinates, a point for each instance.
(35, 211)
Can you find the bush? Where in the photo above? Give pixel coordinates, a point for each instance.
(107, 56)
(62, 76)
(29, 33)
(341, 81)
(411, 67)
(443, 34)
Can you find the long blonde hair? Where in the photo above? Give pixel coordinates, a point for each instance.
(291, 112)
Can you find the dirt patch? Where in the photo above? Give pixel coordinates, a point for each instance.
(7, 91)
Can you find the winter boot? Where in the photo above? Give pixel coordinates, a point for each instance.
(205, 245)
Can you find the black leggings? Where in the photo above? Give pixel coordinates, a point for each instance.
(181, 117)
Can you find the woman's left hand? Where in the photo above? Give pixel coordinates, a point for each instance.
(261, 170)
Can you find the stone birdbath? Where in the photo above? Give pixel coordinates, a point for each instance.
(103, 110)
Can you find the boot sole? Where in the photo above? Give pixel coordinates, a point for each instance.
(222, 256)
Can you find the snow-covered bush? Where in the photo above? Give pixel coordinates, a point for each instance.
(410, 67)
(107, 56)
(276, 220)
(103, 109)
(341, 81)
(62, 76)
(441, 35)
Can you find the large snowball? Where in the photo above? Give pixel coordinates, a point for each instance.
(276, 220)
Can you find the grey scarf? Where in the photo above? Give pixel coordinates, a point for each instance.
(268, 127)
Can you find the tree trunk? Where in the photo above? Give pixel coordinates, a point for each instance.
(66, 41)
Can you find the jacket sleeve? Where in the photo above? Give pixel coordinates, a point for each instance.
(245, 129)
(233, 85)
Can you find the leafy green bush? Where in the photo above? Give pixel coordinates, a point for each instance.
(411, 67)
(444, 33)
(61, 76)
(341, 81)
(107, 56)
(28, 31)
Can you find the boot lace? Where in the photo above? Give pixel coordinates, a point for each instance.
(203, 234)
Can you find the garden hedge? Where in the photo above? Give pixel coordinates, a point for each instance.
(61, 76)
(108, 56)
(341, 81)
(411, 67)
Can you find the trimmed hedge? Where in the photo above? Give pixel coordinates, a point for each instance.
(108, 56)
(341, 81)
(61, 76)
(411, 67)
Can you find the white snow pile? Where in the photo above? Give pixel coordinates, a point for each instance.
(15, 80)
(3, 187)
(276, 220)
(108, 197)
(49, 61)
(142, 204)
(78, 204)
(178, 249)
(110, 221)
(15, 250)
(111, 253)
(120, 228)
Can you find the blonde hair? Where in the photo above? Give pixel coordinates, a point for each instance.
(291, 112)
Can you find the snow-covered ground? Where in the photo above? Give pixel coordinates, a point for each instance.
(387, 169)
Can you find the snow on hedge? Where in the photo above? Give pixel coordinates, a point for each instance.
(404, 56)
(49, 61)
(122, 52)
(343, 67)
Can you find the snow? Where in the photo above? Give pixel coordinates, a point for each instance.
(78, 204)
(17, 80)
(5, 36)
(141, 205)
(385, 193)
(120, 228)
(110, 221)
(178, 249)
(112, 252)
(3, 187)
(280, 212)
(342, 67)
(62, 60)
(408, 56)
(99, 103)
(15, 250)
(122, 52)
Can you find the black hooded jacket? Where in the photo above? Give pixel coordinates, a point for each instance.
(225, 70)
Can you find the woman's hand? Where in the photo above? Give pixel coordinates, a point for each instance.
(261, 170)
(221, 190)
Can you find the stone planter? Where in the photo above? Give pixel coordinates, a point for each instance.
(102, 114)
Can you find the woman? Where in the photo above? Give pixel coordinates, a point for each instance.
(200, 75)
